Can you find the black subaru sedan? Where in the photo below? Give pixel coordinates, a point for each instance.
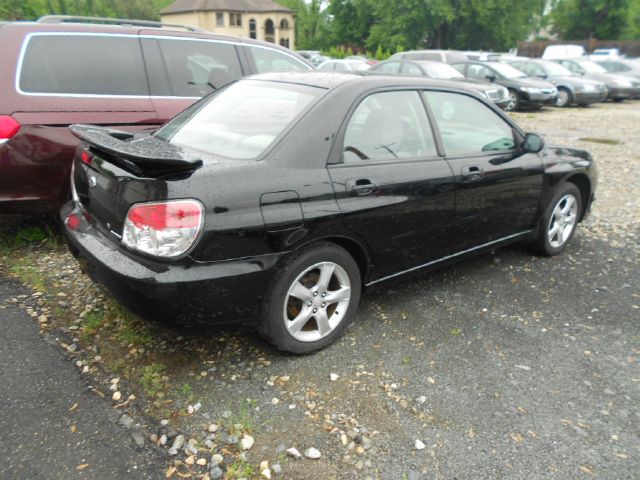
(280, 197)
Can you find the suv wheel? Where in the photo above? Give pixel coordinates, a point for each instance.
(312, 299)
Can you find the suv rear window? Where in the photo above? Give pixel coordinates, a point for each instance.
(83, 65)
(270, 60)
(196, 67)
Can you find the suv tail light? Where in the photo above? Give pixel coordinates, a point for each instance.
(8, 128)
(163, 229)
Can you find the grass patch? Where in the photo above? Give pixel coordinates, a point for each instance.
(28, 231)
(243, 422)
(92, 322)
(605, 141)
(29, 275)
(240, 469)
(153, 382)
(130, 330)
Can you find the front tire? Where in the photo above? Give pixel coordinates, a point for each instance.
(564, 98)
(514, 102)
(558, 225)
(311, 300)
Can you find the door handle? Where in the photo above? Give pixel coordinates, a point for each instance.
(472, 173)
(361, 186)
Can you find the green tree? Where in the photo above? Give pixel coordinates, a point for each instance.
(312, 31)
(602, 19)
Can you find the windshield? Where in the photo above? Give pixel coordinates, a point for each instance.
(240, 121)
(441, 70)
(507, 71)
(554, 69)
(592, 67)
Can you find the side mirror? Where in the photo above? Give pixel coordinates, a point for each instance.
(542, 75)
(491, 78)
(532, 143)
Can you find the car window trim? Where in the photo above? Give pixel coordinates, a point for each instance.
(246, 47)
(336, 158)
(29, 36)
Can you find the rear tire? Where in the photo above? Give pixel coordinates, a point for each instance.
(560, 220)
(312, 299)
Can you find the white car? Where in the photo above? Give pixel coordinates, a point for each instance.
(558, 52)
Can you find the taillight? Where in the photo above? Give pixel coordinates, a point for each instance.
(86, 157)
(72, 221)
(163, 229)
(8, 128)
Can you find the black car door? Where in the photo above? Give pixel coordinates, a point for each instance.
(395, 192)
(497, 186)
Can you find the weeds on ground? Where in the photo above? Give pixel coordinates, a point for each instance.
(240, 469)
(153, 382)
(243, 422)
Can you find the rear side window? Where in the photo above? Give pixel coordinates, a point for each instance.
(268, 60)
(195, 68)
(83, 65)
(389, 126)
(242, 120)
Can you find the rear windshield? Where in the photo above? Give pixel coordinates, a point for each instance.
(240, 121)
(83, 65)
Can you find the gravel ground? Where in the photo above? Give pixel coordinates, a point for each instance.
(505, 366)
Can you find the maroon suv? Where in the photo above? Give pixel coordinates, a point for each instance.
(130, 76)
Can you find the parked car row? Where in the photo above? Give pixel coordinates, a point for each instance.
(530, 83)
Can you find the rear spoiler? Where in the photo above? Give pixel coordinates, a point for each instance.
(152, 155)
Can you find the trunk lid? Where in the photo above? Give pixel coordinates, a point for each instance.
(124, 169)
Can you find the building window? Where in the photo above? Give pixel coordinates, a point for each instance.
(284, 25)
(252, 29)
(284, 42)
(269, 31)
(220, 19)
(235, 19)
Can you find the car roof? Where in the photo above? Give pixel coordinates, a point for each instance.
(334, 80)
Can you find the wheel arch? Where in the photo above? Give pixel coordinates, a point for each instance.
(583, 183)
(355, 248)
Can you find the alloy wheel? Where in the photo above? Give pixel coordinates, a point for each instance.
(317, 301)
(563, 98)
(563, 220)
(513, 102)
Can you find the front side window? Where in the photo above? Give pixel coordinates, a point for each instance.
(411, 69)
(83, 65)
(241, 121)
(195, 68)
(389, 126)
(467, 126)
(268, 60)
(572, 67)
(478, 71)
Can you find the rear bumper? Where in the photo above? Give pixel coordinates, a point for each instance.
(183, 291)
